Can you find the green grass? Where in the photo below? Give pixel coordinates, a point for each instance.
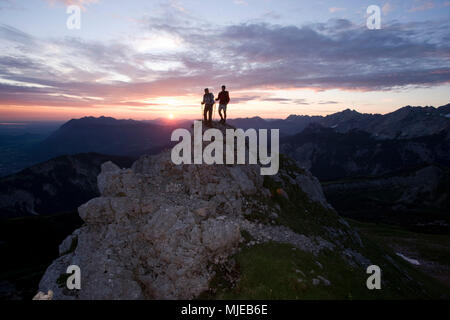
(278, 271)
(433, 248)
(270, 270)
(297, 211)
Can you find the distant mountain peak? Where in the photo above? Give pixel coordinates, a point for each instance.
(296, 116)
(348, 110)
(445, 109)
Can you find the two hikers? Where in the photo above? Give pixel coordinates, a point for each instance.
(208, 101)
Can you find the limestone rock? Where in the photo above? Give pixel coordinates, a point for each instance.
(157, 229)
(154, 230)
(42, 296)
(311, 186)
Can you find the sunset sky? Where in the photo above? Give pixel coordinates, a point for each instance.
(146, 59)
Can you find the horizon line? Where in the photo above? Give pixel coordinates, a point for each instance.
(25, 121)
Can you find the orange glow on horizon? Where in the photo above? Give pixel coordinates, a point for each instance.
(244, 104)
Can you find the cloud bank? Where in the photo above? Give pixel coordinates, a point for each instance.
(176, 54)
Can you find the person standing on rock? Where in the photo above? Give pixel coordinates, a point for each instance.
(224, 99)
(208, 101)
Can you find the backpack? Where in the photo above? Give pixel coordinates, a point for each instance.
(210, 98)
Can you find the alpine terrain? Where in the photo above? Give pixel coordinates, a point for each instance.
(165, 231)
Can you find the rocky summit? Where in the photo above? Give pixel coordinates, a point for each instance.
(160, 231)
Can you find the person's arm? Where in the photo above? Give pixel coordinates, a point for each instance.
(228, 98)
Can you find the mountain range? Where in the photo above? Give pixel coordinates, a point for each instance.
(106, 135)
(54, 186)
(336, 148)
(404, 123)
(332, 155)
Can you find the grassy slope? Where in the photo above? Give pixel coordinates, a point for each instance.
(432, 250)
(280, 271)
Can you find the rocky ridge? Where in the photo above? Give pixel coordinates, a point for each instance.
(158, 229)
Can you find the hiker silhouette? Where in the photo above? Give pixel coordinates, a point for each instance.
(224, 99)
(208, 101)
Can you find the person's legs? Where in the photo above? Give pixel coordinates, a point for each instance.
(207, 114)
(220, 113)
(205, 110)
(224, 107)
(210, 109)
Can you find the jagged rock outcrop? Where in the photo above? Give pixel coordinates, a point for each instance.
(153, 231)
(157, 229)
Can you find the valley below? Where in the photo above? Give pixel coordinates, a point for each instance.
(431, 250)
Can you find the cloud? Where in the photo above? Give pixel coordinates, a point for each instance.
(11, 5)
(335, 9)
(328, 102)
(240, 2)
(387, 7)
(333, 55)
(245, 98)
(285, 101)
(72, 2)
(81, 3)
(423, 6)
(177, 5)
(300, 101)
(271, 15)
(12, 34)
(356, 59)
